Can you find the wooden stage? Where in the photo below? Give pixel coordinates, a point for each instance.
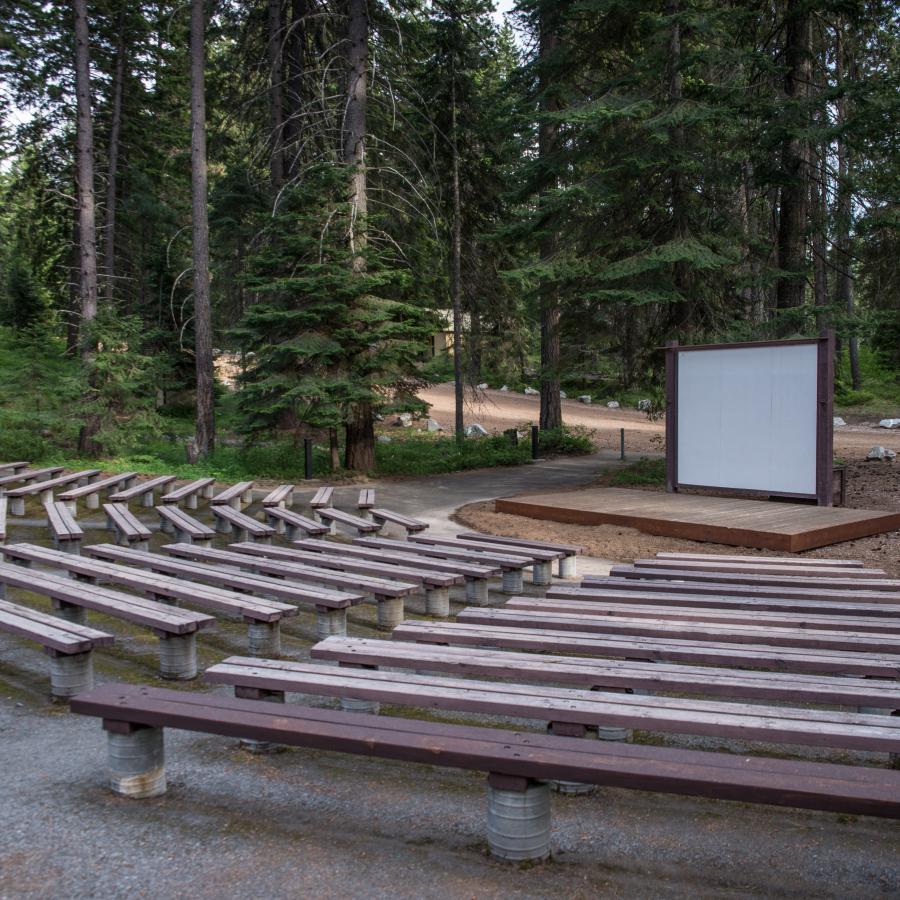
(766, 524)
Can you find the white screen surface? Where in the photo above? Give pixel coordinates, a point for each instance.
(747, 418)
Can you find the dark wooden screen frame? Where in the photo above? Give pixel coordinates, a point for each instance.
(824, 417)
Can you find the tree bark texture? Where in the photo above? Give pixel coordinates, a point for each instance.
(109, 232)
(295, 61)
(205, 417)
(276, 96)
(456, 266)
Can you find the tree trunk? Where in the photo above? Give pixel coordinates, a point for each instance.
(295, 56)
(334, 452)
(456, 266)
(795, 158)
(276, 96)
(109, 248)
(819, 189)
(205, 419)
(548, 135)
(360, 426)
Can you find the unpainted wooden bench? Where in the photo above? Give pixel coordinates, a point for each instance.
(333, 517)
(436, 585)
(760, 568)
(241, 526)
(176, 628)
(366, 500)
(568, 563)
(143, 489)
(128, 529)
(187, 529)
(234, 496)
(293, 524)
(262, 615)
(44, 489)
(321, 499)
(91, 492)
(388, 594)
(382, 517)
(27, 476)
(330, 605)
(13, 467)
(519, 763)
(67, 533)
(190, 492)
(280, 497)
(781, 560)
(69, 646)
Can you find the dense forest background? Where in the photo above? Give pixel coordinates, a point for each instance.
(299, 194)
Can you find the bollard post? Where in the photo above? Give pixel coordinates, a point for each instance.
(307, 459)
(621, 443)
(535, 442)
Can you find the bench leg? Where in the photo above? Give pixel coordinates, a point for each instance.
(262, 539)
(239, 534)
(222, 526)
(17, 506)
(137, 760)
(477, 591)
(568, 567)
(332, 527)
(390, 612)
(293, 532)
(72, 546)
(166, 527)
(72, 507)
(518, 818)
(570, 729)
(143, 546)
(542, 573)
(92, 501)
(190, 502)
(278, 525)
(235, 503)
(147, 499)
(437, 602)
(264, 639)
(70, 673)
(354, 704)
(512, 581)
(207, 492)
(266, 696)
(330, 622)
(77, 615)
(178, 656)
(613, 732)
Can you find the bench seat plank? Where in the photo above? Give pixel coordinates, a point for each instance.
(381, 515)
(27, 475)
(294, 521)
(366, 499)
(242, 522)
(233, 494)
(142, 488)
(126, 522)
(96, 486)
(531, 554)
(200, 485)
(41, 487)
(16, 466)
(50, 631)
(567, 549)
(322, 497)
(783, 560)
(279, 496)
(62, 523)
(751, 568)
(621, 674)
(184, 522)
(506, 562)
(826, 786)
(363, 526)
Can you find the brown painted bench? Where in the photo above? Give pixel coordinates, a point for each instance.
(510, 566)
(366, 499)
(568, 705)
(176, 628)
(263, 616)
(781, 560)
(26, 476)
(44, 489)
(241, 525)
(322, 498)
(568, 566)
(69, 646)
(388, 594)
(91, 492)
(143, 489)
(187, 529)
(435, 584)
(280, 497)
(234, 496)
(476, 576)
(334, 517)
(770, 568)
(13, 467)
(757, 656)
(382, 517)
(190, 492)
(518, 763)
(128, 529)
(613, 674)
(67, 533)
(330, 605)
(287, 521)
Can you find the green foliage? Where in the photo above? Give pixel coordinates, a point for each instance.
(565, 441)
(643, 472)
(425, 455)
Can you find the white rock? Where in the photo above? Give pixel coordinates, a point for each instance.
(505, 388)
(476, 430)
(483, 386)
(404, 419)
(383, 439)
(838, 422)
(433, 425)
(878, 452)
(563, 395)
(530, 391)
(644, 405)
(584, 398)
(889, 423)
(613, 404)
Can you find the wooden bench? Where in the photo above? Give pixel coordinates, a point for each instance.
(91, 492)
(2, 518)
(330, 605)
(13, 467)
(784, 581)
(176, 628)
(388, 594)
(321, 499)
(781, 560)
(568, 563)
(143, 489)
(570, 706)
(334, 517)
(759, 568)
(280, 497)
(518, 763)
(263, 616)
(758, 656)
(435, 584)
(26, 476)
(190, 492)
(612, 674)
(476, 576)
(241, 525)
(234, 496)
(510, 566)
(287, 521)
(67, 533)
(187, 529)
(69, 646)
(128, 529)
(382, 516)
(815, 619)
(366, 500)
(718, 632)
(44, 489)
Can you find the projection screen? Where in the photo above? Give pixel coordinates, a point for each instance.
(750, 417)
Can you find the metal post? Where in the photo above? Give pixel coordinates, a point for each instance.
(621, 443)
(535, 442)
(307, 458)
